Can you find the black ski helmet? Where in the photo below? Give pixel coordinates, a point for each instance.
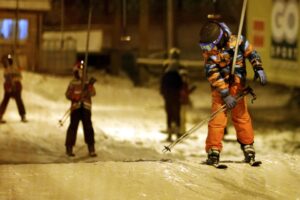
(78, 66)
(214, 34)
(78, 69)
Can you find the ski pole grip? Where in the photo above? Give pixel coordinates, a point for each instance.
(247, 90)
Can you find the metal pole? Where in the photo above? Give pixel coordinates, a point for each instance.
(16, 25)
(62, 22)
(124, 16)
(170, 25)
(239, 35)
(87, 44)
(144, 27)
(15, 46)
(124, 37)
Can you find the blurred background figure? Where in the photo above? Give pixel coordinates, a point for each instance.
(12, 87)
(81, 103)
(170, 88)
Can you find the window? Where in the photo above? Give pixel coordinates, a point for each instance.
(8, 26)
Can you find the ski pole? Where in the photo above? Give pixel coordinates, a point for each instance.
(238, 36)
(64, 118)
(244, 92)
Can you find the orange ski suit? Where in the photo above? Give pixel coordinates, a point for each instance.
(217, 67)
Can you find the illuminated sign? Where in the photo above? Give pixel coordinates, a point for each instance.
(285, 25)
(258, 33)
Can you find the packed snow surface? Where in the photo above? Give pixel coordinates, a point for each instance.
(129, 123)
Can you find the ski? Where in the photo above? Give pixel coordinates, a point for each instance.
(220, 166)
(217, 165)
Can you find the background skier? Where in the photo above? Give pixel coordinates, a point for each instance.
(170, 88)
(80, 110)
(12, 87)
(218, 45)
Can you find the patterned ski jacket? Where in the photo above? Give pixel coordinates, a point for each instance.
(12, 79)
(218, 63)
(78, 96)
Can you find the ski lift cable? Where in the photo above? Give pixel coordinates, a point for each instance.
(124, 14)
(239, 35)
(62, 22)
(124, 37)
(87, 41)
(14, 48)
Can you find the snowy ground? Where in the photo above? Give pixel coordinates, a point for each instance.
(130, 165)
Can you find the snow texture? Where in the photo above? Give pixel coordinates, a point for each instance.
(128, 123)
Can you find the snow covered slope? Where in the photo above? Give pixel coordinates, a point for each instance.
(130, 165)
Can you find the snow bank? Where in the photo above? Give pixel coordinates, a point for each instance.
(152, 180)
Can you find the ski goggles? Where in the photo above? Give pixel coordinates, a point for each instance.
(208, 46)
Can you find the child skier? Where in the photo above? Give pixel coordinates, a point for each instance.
(80, 96)
(12, 87)
(218, 44)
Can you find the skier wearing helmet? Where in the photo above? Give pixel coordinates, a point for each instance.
(218, 46)
(80, 110)
(12, 87)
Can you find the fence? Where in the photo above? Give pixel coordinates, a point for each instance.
(57, 56)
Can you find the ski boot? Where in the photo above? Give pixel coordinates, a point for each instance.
(249, 152)
(213, 157)
(170, 133)
(69, 151)
(23, 119)
(2, 121)
(169, 138)
(91, 149)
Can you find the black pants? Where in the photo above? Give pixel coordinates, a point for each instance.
(17, 96)
(173, 112)
(85, 116)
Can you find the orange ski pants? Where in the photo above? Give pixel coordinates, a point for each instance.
(240, 119)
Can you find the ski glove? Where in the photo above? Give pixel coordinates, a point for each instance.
(92, 80)
(230, 101)
(259, 73)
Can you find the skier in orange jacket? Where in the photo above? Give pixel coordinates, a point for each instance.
(218, 45)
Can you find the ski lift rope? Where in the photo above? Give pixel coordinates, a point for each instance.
(14, 47)
(62, 23)
(87, 41)
(238, 36)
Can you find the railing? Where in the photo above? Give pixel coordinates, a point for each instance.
(57, 56)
